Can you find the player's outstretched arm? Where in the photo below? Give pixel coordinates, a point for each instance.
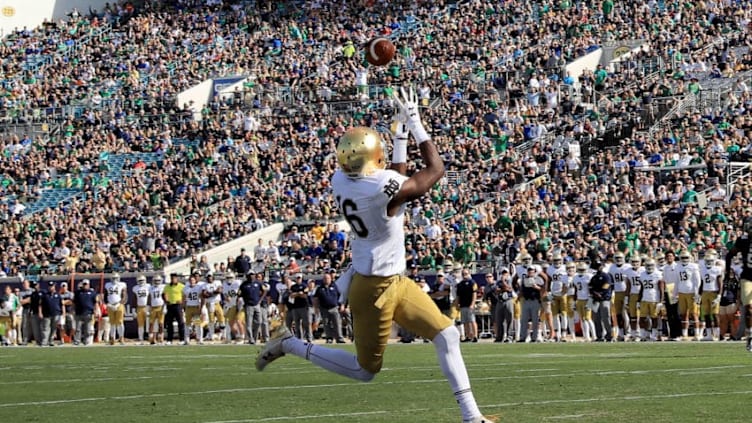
(422, 181)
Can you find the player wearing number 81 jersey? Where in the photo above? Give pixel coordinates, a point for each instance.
(619, 271)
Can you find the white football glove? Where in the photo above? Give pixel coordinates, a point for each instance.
(697, 299)
(408, 105)
(659, 307)
(589, 304)
(716, 300)
(626, 303)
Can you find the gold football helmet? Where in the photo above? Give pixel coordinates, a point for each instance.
(361, 152)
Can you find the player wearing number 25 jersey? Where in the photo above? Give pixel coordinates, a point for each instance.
(372, 199)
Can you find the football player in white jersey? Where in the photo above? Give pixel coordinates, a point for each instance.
(372, 199)
(687, 294)
(156, 311)
(234, 314)
(581, 283)
(619, 270)
(651, 297)
(193, 303)
(524, 260)
(571, 300)
(141, 293)
(116, 297)
(632, 296)
(711, 274)
(559, 285)
(213, 294)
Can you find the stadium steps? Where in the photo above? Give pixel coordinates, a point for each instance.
(118, 162)
(52, 198)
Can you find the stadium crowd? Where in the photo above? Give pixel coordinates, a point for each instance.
(501, 107)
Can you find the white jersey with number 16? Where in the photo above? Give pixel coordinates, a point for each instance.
(378, 245)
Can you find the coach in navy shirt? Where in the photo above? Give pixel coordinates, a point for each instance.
(326, 303)
(51, 308)
(85, 302)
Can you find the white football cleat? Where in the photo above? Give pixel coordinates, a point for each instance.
(481, 419)
(273, 349)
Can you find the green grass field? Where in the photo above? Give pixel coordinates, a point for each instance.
(661, 382)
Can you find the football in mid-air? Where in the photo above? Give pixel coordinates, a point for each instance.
(380, 51)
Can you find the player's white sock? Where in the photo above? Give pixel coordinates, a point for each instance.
(140, 334)
(121, 329)
(654, 334)
(717, 332)
(517, 329)
(685, 333)
(585, 330)
(211, 331)
(200, 333)
(338, 361)
(447, 344)
(557, 327)
(113, 332)
(228, 332)
(564, 324)
(187, 333)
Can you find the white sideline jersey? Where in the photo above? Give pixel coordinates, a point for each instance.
(155, 295)
(142, 294)
(633, 279)
(689, 278)
(115, 292)
(378, 241)
(649, 281)
(621, 276)
(581, 282)
(192, 295)
(709, 276)
(231, 290)
(559, 279)
(210, 288)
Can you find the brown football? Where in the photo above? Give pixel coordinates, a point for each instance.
(380, 51)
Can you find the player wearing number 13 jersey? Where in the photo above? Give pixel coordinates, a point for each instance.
(372, 199)
(742, 246)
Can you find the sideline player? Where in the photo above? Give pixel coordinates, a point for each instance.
(711, 274)
(742, 245)
(686, 293)
(559, 285)
(373, 201)
(116, 298)
(141, 292)
(234, 313)
(619, 270)
(193, 303)
(156, 311)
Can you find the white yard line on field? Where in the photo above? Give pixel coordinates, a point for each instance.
(349, 384)
(89, 380)
(492, 406)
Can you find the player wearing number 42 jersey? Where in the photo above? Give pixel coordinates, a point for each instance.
(372, 199)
